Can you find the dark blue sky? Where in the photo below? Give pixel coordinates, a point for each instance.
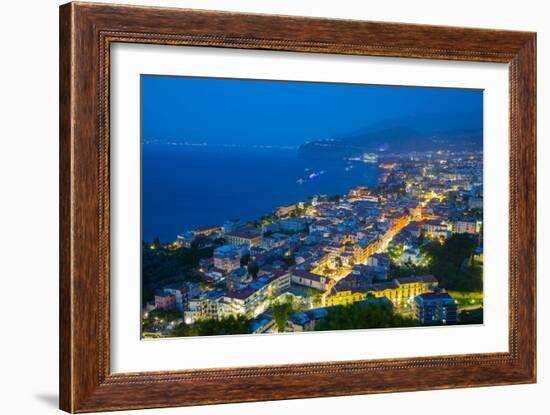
(253, 112)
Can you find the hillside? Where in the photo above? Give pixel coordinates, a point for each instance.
(391, 140)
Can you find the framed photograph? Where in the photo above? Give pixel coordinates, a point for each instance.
(258, 207)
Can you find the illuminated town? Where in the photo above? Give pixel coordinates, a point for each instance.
(406, 252)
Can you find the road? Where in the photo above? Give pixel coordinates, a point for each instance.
(344, 272)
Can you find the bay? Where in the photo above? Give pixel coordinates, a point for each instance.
(186, 187)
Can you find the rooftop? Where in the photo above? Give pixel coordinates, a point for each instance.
(247, 233)
(417, 278)
(307, 275)
(436, 296)
(209, 228)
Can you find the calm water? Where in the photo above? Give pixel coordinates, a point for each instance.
(184, 188)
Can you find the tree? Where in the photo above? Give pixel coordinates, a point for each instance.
(219, 241)
(147, 294)
(245, 259)
(156, 243)
(471, 316)
(362, 315)
(229, 325)
(447, 261)
(200, 241)
(281, 312)
(213, 327)
(165, 266)
(253, 269)
(288, 260)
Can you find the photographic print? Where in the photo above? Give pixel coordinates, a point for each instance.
(289, 206)
(270, 197)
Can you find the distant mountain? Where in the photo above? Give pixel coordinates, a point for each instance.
(395, 140)
(420, 133)
(431, 122)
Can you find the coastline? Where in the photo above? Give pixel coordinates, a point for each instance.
(215, 184)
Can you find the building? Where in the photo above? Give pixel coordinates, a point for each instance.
(275, 240)
(245, 302)
(410, 287)
(310, 280)
(414, 229)
(209, 230)
(178, 296)
(306, 320)
(435, 308)
(364, 275)
(278, 282)
(435, 229)
(244, 236)
(475, 203)
(322, 226)
(232, 224)
(228, 257)
(262, 324)
(359, 191)
(471, 227)
(207, 305)
(165, 301)
(256, 297)
(185, 239)
(401, 291)
(214, 274)
(293, 224)
(285, 211)
(366, 247)
(398, 221)
(237, 279)
(250, 300)
(189, 291)
(379, 261)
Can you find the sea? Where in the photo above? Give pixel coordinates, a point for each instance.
(186, 187)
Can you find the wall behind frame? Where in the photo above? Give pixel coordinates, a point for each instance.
(28, 214)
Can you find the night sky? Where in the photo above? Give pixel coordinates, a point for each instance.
(254, 112)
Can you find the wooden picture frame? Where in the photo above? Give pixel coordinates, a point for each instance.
(86, 33)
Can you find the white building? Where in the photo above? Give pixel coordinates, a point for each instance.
(228, 257)
(462, 226)
(308, 279)
(178, 295)
(256, 297)
(207, 305)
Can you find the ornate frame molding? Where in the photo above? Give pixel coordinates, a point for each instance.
(86, 33)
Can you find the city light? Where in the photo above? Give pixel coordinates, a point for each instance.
(330, 252)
